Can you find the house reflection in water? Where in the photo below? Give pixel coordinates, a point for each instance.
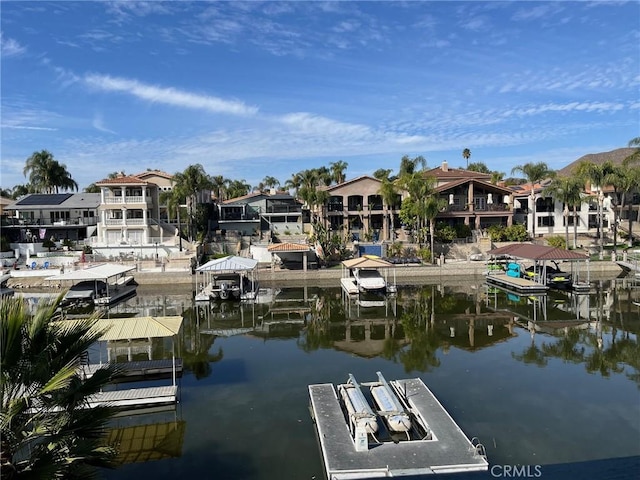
(145, 443)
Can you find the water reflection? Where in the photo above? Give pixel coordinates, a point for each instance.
(488, 354)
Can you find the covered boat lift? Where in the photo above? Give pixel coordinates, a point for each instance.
(539, 255)
(118, 283)
(366, 262)
(245, 269)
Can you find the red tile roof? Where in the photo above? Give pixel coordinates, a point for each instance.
(122, 180)
(529, 251)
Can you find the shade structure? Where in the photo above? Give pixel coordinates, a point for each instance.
(229, 264)
(366, 262)
(97, 272)
(138, 327)
(530, 251)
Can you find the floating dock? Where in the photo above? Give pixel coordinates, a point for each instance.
(516, 284)
(437, 445)
(140, 369)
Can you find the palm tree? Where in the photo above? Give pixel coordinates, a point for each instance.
(616, 176)
(534, 173)
(466, 154)
(238, 188)
(46, 175)
(409, 165)
(567, 190)
(219, 187)
(188, 185)
(479, 167)
(337, 170)
(389, 198)
(269, 182)
(432, 208)
(46, 429)
(628, 183)
(596, 174)
(383, 173)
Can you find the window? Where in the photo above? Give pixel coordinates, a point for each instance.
(546, 221)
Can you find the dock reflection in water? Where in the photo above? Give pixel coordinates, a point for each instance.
(532, 377)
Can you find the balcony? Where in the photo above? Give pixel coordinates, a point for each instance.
(125, 222)
(128, 200)
(283, 209)
(48, 222)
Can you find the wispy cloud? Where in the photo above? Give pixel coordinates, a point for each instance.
(10, 47)
(98, 124)
(168, 95)
(27, 127)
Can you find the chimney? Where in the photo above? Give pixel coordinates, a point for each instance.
(445, 166)
(272, 191)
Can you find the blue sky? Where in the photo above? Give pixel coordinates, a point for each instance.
(272, 88)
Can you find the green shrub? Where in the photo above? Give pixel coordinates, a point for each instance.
(395, 249)
(445, 233)
(558, 242)
(496, 233)
(424, 254)
(516, 233)
(462, 230)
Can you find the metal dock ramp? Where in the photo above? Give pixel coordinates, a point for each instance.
(450, 451)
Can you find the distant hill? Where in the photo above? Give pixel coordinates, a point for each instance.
(615, 156)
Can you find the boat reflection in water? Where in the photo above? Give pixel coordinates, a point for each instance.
(246, 368)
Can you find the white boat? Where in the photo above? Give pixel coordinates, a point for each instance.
(228, 278)
(369, 280)
(105, 284)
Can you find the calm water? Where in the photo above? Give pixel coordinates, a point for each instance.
(539, 380)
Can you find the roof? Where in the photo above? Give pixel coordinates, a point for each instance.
(243, 197)
(43, 199)
(97, 272)
(530, 251)
(366, 262)
(229, 264)
(288, 247)
(151, 173)
(353, 180)
(138, 327)
(59, 200)
(122, 180)
(462, 181)
(449, 172)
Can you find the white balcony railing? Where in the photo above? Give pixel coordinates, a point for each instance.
(111, 200)
(119, 222)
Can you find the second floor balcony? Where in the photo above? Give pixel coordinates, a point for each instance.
(125, 222)
(126, 200)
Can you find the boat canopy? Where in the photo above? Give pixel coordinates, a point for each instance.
(139, 327)
(229, 264)
(97, 272)
(366, 262)
(528, 251)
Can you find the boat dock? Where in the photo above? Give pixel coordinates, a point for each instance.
(445, 449)
(140, 369)
(516, 284)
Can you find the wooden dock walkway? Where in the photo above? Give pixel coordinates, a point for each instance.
(140, 369)
(517, 284)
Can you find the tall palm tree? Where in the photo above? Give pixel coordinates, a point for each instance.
(567, 190)
(389, 196)
(238, 188)
(269, 182)
(466, 154)
(410, 165)
(187, 186)
(534, 173)
(596, 174)
(629, 183)
(337, 170)
(46, 429)
(616, 177)
(219, 187)
(46, 175)
(432, 208)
